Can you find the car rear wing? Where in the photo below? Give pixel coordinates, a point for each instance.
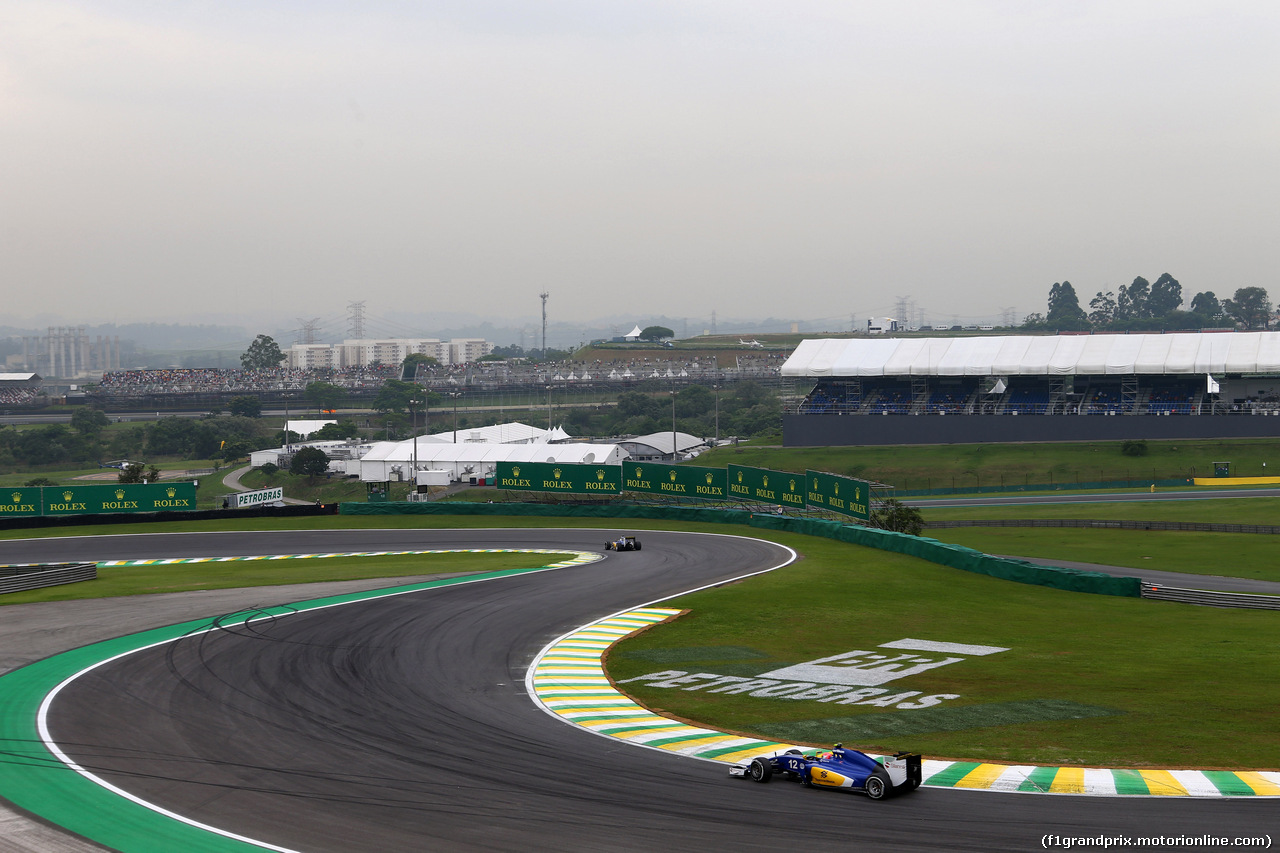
(904, 769)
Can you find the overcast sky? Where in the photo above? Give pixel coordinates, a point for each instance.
(800, 159)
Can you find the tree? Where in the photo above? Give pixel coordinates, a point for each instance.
(1064, 308)
(1250, 306)
(1131, 301)
(136, 472)
(1206, 304)
(263, 354)
(656, 333)
(896, 516)
(395, 395)
(337, 431)
(309, 462)
(325, 395)
(409, 369)
(245, 407)
(236, 448)
(89, 422)
(1102, 309)
(1165, 296)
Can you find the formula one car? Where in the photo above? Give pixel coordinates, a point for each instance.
(623, 543)
(838, 768)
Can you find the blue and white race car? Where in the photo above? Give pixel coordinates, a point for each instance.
(838, 768)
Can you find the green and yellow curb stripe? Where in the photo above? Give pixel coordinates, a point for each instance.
(569, 681)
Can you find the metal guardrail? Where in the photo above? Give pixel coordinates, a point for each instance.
(1208, 598)
(17, 578)
(1200, 527)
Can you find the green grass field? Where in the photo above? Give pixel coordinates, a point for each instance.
(185, 577)
(1088, 679)
(967, 466)
(1240, 555)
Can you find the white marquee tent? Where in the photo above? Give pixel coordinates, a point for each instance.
(395, 460)
(1060, 355)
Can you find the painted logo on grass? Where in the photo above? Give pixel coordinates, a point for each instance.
(870, 668)
(830, 679)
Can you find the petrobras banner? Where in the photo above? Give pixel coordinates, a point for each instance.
(559, 477)
(240, 500)
(19, 502)
(677, 481)
(844, 495)
(760, 485)
(157, 497)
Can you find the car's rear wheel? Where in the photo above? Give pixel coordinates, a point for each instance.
(876, 787)
(637, 546)
(761, 770)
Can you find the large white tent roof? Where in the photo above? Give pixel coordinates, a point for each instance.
(1060, 355)
(376, 465)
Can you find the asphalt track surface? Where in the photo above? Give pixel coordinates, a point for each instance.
(403, 724)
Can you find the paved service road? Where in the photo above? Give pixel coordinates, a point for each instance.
(402, 724)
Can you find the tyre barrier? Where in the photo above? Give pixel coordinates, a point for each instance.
(26, 576)
(1208, 598)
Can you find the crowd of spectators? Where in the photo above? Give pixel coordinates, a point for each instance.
(765, 366)
(214, 380)
(18, 395)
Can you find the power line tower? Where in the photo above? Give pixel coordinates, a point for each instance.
(543, 295)
(355, 319)
(903, 308)
(308, 333)
(1006, 316)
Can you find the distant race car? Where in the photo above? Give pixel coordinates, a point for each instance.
(623, 543)
(838, 768)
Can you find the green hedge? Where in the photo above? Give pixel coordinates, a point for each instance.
(955, 556)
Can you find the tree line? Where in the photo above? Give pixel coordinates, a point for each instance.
(1144, 306)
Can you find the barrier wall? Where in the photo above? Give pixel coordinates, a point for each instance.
(35, 576)
(150, 517)
(954, 556)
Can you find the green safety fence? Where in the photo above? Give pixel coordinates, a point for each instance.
(955, 556)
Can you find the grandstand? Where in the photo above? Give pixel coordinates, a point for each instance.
(1032, 388)
(19, 389)
(210, 380)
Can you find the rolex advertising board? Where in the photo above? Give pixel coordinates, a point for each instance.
(158, 497)
(18, 502)
(764, 486)
(678, 481)
(559, 477)
(844, 495)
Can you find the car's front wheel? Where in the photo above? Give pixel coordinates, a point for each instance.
(761, 770)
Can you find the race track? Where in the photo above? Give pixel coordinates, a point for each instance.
(402, 723)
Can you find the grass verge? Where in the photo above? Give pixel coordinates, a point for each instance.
(1087, 679)
(186, 577)
(1237, 555)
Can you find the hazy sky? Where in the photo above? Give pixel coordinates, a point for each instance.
(800, 159)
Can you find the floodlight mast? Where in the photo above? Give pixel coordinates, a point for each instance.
(544, 294)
